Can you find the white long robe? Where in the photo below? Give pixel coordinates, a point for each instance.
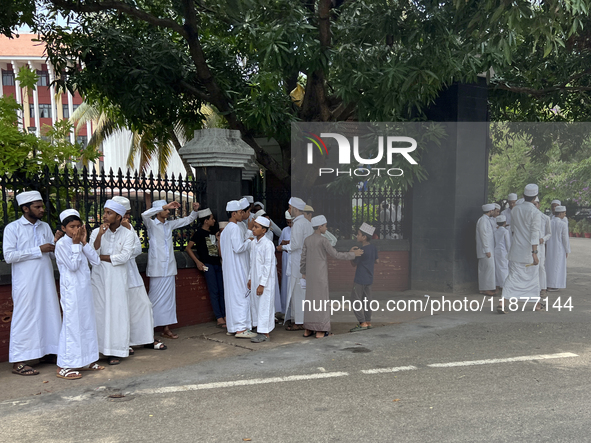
(502, 246)
(545, 235)
(235, 252)
(507, 213)
(36, 319)
(485, 243)
(296, 295)
(162, 265)
(78, 345)
(285, 268)
(110, 289)
(277, 292)
(556, 250)
(523, 281)
(141, 317)
(263, 272)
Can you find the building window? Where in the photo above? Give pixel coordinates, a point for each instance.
(32, 110)
(7, 78)
(43, 79)
(32, 129)
(44, 111)
(66, 111)
(82, 140)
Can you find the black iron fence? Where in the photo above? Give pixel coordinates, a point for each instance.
(382, 208)
(87, 192)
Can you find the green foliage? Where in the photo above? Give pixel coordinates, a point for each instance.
(27, 78)
(571, 225)
(16, 13)
(27, 154)
(366, 213)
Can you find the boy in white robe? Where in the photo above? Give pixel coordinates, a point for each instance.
(511, 201)
(485, 248)
(263, 274)
(545, 235)
(235, 250)
(78, 345)
(162, 267)
(141, 316)
(502, 246)
(270, 235)
(284, 239)
(115, 246)
(557, 251)
(28, 245)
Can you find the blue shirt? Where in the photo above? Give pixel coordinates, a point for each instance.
(365, 264)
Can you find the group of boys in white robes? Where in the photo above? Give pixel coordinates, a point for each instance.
(106, 310)
(529, 249)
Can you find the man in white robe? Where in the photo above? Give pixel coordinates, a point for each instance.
(284, 239)
(493, 216)
(141, 316)
(511, 200)
(261, 282)
(545, 235)
(557, 251)
(28, 244)
(114, 244)
(235, 250)
(296, 294)
(523, 281)
(162, 267)
(485, 250)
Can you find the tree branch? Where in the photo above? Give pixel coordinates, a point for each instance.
(196, 92)
(541, 92)
(98, 6)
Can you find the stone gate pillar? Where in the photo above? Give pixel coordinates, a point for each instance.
(445, 207)
(218, 156)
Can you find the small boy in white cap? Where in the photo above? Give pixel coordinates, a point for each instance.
(361, 294)
(78, 345)
(161, 263)
(502, 246)
(261, 282)
(284, 239)
(28, 245)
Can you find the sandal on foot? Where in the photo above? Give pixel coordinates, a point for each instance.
(92, 367)
(294, 327)
(25, 370)
(169, 334)
(312, 334)
(68, 374)
(359, 328)
(501, 311)
(114, 360)
(131, 351)
(326, 334)
(158, 345)
(221, 325)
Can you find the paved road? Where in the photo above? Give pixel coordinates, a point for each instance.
(516, 377)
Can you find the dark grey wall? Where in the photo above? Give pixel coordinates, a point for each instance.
(445, 207)
(223, 184)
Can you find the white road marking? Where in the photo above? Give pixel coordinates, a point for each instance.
(503, 360)
(229, 384)
(385, 370)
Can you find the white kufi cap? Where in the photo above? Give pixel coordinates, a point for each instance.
(248, 198)
(259, 213)
(65, 214)
(501, 219)
(512, 197)
(27, 197)
(204, 213)
(263, 221)
(159, 204)
(319, 220)
(488, 207)
(288, 216)
(530, 190)
(117, 207)
(259, 204)
(367, 229)
(124, 201)
(556, 202)
(244, 203)
(560, 209)
(233, 205)
(297, 203)
(497, 206)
